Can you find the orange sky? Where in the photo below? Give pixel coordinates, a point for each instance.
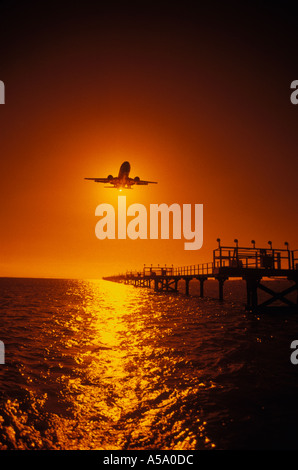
(196, 100)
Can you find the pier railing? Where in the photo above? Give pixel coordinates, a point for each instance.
(229, 257)
(251, 257)
(294, 259)
(195, 269)
(190, 270)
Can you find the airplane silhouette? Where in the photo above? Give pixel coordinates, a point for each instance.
(122, 180)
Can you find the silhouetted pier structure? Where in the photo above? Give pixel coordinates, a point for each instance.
(251, 264)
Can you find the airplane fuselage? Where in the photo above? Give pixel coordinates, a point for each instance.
(123, 175)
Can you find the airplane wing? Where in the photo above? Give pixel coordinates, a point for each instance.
(98, 180)
(142, 182)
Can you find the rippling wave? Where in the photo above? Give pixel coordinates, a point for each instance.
(99, 365)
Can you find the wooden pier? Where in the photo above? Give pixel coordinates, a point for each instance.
(253, 265)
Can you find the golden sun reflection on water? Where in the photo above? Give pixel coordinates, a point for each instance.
(98, 365)
(130, 387)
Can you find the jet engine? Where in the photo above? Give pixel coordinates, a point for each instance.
(136, 179)
(110, 177)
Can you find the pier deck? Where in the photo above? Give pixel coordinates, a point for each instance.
(251, 264)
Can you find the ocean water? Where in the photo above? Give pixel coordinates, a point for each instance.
(100, 365)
